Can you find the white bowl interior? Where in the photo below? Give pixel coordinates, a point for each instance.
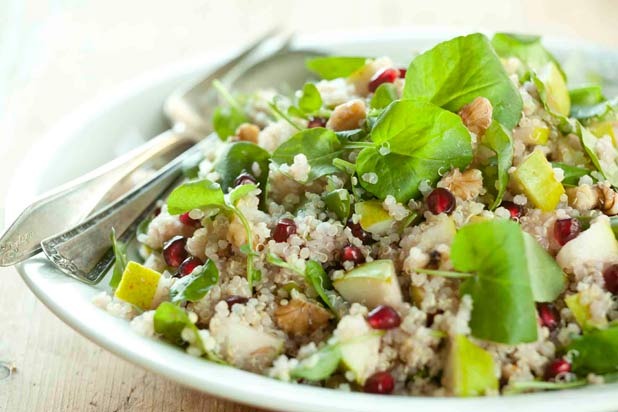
(100, 131)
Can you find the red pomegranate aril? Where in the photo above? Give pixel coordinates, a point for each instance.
(285, 227)
(557, 367)
(351, 253)
(611, 279)
(245, 179)
(316, 122)
(441, 200)
(174, 251)
(188, 265)
(548, 315)
(234, 299)
(358, 231)
(383, 317)
(189, 221)
(514, 209)
(566, 229)
(156, 212)
(381, 383)
(388, 75)
(402, 73)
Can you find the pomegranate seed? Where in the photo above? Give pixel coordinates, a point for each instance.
(402, 73)
(514, 209)
(611, 279)
(352, 253)
(174, 251)
(441, 200)
(358, 231)
(285, 227)
(388, 75)
(188, 221)
(316, 122)
(188, 265)
(566, 229)
(156, 212)
(383, 317)
(548, 315)
(381, 383)
(245, 179)
(234, 299)
(557, 367)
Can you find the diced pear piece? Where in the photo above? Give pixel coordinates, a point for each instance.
(470, 370)
(138, 285)
(371, 284)
(556, 92)
(247, 347)
(582, 315)
(374, 219)
(595, 244)
(537, 180)
(539, 135)
(360, 355)
(440, 231)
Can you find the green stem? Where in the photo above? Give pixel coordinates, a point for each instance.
(444, 273)
(227, 96)
(349, 168)
(247, 227)
(358, 145)
(283, 116)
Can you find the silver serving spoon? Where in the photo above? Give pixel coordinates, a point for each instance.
(188, 110)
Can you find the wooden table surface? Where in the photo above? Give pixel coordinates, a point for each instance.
(69, 52)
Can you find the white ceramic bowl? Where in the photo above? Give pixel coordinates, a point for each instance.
(101, 130)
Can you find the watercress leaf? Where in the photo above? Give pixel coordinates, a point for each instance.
(499, 140)
(397, 174)
(195, 286)
(586, 95)
(294, 111)
(195, 195)
(455, 72)
(169, 321)
(546, 278)
(335, 66)
(319, 145)
(120, 262)
(595, 351)
(528, 49)
(241, 191)
(600, 110)
(310, 99)
(384, 95)
(503, 304)
(239, 158)
(338, 201)
(277, 261)
(319, 280)
(589, 142)
(572, 174)
(225, 121)
(318, 366)
(351, 135)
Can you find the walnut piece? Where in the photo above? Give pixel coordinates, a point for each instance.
(466, 185)
(608, 199)
(300, 317)
(476, 115)
(347, 116)
(248, 132)
(584, 197)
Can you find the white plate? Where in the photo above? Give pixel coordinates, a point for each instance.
(100, 130)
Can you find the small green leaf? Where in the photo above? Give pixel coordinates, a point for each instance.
(335, 66)
(588, 142)
(226, 120)
(195, 195)
(328, 359)
(319, 280)
(169, 321)
(121, 260)
(599, 110)
(310, 99)
(195, 286)
(277, 261)
(238, 158)
(595, 351)
(338, 201)
(241, 191)
(586, 96)
(546, 278)
(572, 174)
(499, 140)
(384, 95)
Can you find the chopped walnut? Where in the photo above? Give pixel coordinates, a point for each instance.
(300, 317)
(248, 132)
(236, 233)
(608, 199)
(584, 197)
(347, 116)
(476, 115)
(466, 185)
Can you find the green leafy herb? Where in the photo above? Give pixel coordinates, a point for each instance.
(572, 174)
(503, 303)
(338, 201)
(195, 286)
(528, 49)
(318, 279)
(226, 119)
(586, 96)
(310, 100)
(313, 369)
(335, 66)
(546, 278)
(121, 260)
(195, 195)
(588, 142)
(239, 158)
(423, 141)
(595, 351)
(240, 191)
(321, 146)
(455, 72)
(384, 95)
(600, 110)
(498, 139)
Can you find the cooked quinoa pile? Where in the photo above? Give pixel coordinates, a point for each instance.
(445, 229)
